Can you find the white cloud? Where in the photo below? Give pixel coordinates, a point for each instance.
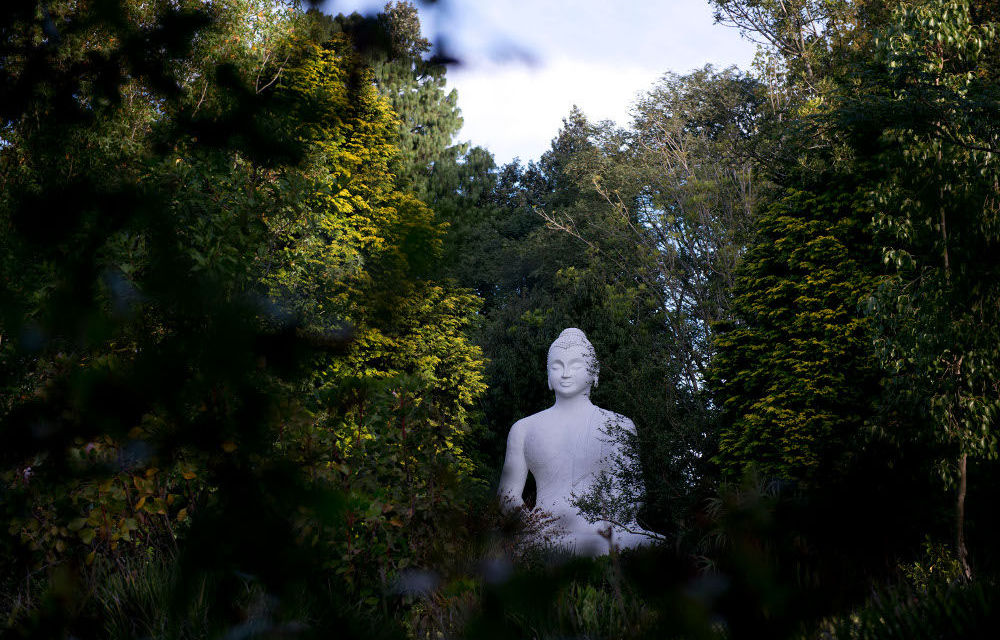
(516, 109)
(594, 54)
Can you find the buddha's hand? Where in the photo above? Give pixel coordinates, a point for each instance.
(603, 528)
(509, 503)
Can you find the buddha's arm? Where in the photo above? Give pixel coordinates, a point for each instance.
(515, 469)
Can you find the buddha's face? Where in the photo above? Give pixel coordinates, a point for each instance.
(571, 370)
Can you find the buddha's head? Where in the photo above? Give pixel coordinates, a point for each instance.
(572, 364)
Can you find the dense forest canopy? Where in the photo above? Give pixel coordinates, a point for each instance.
(265, 324)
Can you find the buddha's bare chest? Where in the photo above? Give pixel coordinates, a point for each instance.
(564, 451)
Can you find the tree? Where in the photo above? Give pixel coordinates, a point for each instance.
(806, 40)
(353, 259)
(414, 82)
(931, 100)
(686, 191)
(794, 377)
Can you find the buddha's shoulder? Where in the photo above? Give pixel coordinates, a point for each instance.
(534, 420)
(519, 430)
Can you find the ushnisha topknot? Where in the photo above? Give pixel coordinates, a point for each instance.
(572, 337)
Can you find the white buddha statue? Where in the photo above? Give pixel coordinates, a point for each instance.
(566, 447)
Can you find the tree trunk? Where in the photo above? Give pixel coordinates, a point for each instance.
(962, 550)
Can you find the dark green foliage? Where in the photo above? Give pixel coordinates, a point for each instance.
(937, 218)
(934, 110)
(134, 316)
(206, 265)
(966, 611)
(795, 377)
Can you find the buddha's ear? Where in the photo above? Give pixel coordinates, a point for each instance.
(549, 384)
(595, 382)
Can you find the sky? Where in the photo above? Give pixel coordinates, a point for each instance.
(525, 63)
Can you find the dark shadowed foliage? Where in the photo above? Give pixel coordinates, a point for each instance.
(264, 328)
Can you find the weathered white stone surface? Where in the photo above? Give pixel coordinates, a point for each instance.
(566, 447)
